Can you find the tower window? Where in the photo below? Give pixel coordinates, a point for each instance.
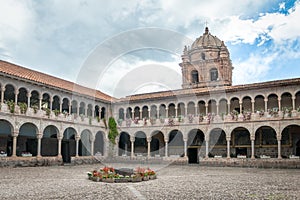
(203, 56)
(214, 74)
(195, 76)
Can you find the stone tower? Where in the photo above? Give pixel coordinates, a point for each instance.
(206, 63)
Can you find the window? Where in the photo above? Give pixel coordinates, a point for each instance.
(195, 77)
(214, 74)
(203, 56)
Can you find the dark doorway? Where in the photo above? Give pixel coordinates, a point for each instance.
(65, 150)
(298, 148)
(193, 155)
(241, 151)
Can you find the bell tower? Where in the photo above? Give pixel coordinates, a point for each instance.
(206, 63)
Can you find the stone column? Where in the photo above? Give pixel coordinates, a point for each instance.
(70, 108)
(252, 148)
(206, 148)
(132, 139)
(279, 145)
(39, 145)
(77, 138)
(16, 96)
(141, 114)
(253, 105)
(185, 147)
(176, 111)
(2, 94)
(157, 112)
(51, 102)
(14, 149)
(117, 146)
(228, 147)
(78, 109)
(293, 102)
(92, 146)
(217, 105)
(59, 138)
(60, 106)
(279, 104)
(196, 110)
(149, 147)
(241, 106)
(266, 105)
(132, 114)
(206, 109)
(166, 148)
(149, 113)
(28, 99)
(167, 112)
(186, 111)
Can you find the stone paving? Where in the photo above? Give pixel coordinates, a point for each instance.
(174, 182)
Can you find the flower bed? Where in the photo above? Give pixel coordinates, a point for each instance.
(124, 175)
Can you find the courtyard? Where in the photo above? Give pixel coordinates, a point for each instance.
(174, 182)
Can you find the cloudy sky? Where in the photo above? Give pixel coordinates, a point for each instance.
(126, 47)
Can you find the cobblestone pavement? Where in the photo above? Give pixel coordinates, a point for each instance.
(174, 182)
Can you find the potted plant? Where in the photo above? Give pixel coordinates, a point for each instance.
(23, 107)
(56, 112)
(11, 106)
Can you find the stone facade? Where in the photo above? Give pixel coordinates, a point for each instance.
(65, 123)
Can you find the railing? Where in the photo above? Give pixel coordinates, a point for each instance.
(65, 117)
(209, 119)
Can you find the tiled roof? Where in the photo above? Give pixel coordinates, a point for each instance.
(28, 74)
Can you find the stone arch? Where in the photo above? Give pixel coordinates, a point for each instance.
(129, 113)
(46, 100)
(34, 99)
(212, 106)
(272, 102)
(191, 108)
(286, 100)
(124, 144)
(162, 111)
(121, 113)
(171, 110)
(241, 143)
(247, 105)
(157, 143)
(297, 100)
(145, 112)
(223, 108)
(97, 111)
(6, 131)
(56, 103)
(49, 146)
(103, 112)
(65, 105)
(74, 106)
(217, 142)
(259, 103)
(89, 110)
(290, 139)
(140, 143)
(9, 93)
(27, 139)
(201, 108)
(22, 95)
(99, 143)
(181, 109)
(85, 144)
(266, 139)
(81, 108)
(136, 113)
(68, 145)
(153, 112)
(175, 143)
(235, 104)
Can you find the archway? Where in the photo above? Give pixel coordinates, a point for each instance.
(99, 143)
(290, 141)
(266, 140)
(240, 138)
(27, 141)
(175, 143)
(68, 145)
(6, 143)
(49, 141)
(157, 144)
(124, 144)
(217, 142)
(140, 144)
(194, 143)
(85, 144)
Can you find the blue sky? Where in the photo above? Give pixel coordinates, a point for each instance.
(60, 37)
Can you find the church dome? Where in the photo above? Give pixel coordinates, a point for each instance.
(206, 40)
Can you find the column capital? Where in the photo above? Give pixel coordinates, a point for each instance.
(15, 134)
(39, 135)
(149, 139)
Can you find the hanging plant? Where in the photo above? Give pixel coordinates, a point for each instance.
(48, 112)
(23, 107)
(35, 108)
(11, 106)
(56, 112)
(113, 131)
